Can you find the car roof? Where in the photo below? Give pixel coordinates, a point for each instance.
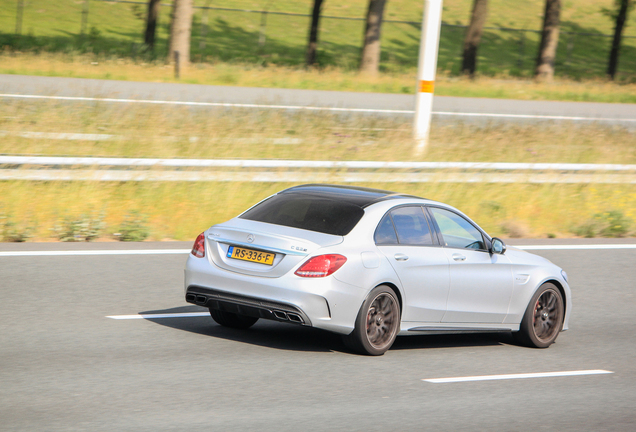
(360, 196)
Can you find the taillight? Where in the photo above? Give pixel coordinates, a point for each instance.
(198, 250)
(321, 266)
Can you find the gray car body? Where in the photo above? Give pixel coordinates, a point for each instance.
(471, 303)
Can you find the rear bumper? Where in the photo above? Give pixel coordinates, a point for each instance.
(244, 305)
(324, 303)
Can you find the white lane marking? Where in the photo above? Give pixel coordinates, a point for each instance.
(529, 116)
(209, 104)
(95, 252)
(516, 376)
(313, 108)
(575, 247)
(269, 163)
(155, 316)
(185, 251)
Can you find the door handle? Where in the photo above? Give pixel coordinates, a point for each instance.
(458, 257)
(400, 257)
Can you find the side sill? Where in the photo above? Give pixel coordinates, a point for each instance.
(457, 330)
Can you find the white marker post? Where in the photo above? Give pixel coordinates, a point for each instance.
(427, 66)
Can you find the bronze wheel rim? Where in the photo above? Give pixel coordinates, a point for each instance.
(547, 315)
(382, 321)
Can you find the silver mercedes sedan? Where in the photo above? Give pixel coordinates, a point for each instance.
(371, 265)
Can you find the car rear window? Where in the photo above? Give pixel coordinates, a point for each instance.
(323, 215)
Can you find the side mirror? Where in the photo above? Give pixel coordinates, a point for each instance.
(498, 246)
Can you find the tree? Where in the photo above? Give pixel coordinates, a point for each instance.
(619, 15)
(180, 28)
(151, 24)
(549, 41)
(313, 33)
(473, 36)
(370, 61)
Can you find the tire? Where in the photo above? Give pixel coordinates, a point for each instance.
(232, 320)
(377, 324)
(543, 319)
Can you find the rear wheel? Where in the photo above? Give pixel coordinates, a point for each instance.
(228, 319)
(543, 319)
(377, 324)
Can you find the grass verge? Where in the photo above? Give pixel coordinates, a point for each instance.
(180, 132)
(179, 211)
(166, 210)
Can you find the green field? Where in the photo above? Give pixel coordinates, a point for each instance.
(115, 31)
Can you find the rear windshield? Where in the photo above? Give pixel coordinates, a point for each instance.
(306, 212)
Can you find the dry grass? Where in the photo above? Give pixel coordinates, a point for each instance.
(330, 78)
(148, 131)
(182, 210)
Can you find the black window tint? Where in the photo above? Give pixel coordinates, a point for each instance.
(307, 212)
(385, 234)
(457, 231)
(412, 227)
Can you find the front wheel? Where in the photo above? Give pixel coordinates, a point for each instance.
(377, 324)
(543, 319)
(232, 320)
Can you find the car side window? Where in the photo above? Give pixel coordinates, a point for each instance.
(385, 233)
(411, 226)
(457, 231)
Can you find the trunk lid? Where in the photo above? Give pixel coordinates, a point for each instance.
(289, 246)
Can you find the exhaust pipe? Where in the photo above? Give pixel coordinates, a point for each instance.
(295, 318)
(201, 299)
(280, 315)
(191, 298)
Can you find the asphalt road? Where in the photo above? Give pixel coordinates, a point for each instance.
(445, 109)
(65, 366)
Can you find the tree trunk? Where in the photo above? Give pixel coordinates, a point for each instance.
(621, 17)
(549, 41)
(151, 24)
(313, 33)
(180, 28)
(473, 36)
(370, 61)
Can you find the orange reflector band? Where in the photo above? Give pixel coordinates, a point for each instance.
(427, 86)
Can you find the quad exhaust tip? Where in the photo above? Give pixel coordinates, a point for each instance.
(280, 315)
(295, 318)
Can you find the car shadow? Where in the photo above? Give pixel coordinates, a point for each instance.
(282, 336)
(265, 333)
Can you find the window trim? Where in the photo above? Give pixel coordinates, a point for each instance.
(432, 228)
(486, 238)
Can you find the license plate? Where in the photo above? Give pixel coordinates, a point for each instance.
(251, 255)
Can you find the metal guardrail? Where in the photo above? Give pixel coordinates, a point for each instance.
(36, 168)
